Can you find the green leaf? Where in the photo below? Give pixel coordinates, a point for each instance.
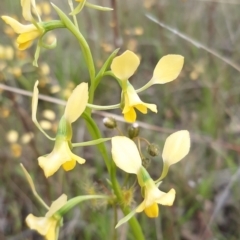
(126, 218)
(105, 66)
(74, 201)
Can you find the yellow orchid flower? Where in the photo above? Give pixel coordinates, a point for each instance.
(61, 154)
(27, 33)
(126, 156)
(49, 225)
(123, 67)
(132, 101)
(153, 196)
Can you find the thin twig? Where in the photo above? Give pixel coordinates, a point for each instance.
(194, 42)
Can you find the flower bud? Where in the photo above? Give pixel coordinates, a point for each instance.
(153, 150)
(109, 122)
(133, 131)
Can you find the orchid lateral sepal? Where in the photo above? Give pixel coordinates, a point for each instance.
(34, 111)
(32, 186)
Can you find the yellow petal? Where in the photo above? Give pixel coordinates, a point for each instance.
(67, 166)
(168, 198)
(40, 224)
(52, 231)
(124, 66)
(176, 147)
(167, 69)
(56, 205)
(125, 154)
(152, 211)
(132, 100)
(24, 46)
(77, 102)
(130, 115)
(35, 101)
(142, 108)
(26, 9)
(28, 36)
(17, 26)
(152, 107)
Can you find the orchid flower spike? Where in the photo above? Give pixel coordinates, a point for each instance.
(27, 33)
(61, 154)
(123, 67)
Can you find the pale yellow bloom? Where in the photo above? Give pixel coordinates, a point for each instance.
(123, 67)
(132, 102)
(49, 225)
(152, 197)
(27, 33)
(62, 154)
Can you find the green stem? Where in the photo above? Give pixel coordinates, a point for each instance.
(134, 224)
(83, 44)
(94, 131)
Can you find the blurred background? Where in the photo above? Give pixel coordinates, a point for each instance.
(205, 99)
